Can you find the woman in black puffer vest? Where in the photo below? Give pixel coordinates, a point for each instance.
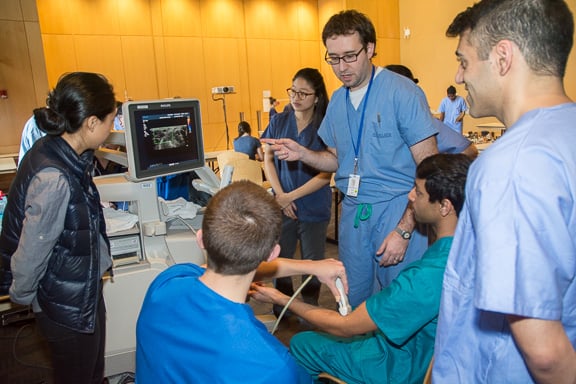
(53, 245)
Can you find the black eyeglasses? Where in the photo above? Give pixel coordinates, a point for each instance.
(297, 95)
(349, 58)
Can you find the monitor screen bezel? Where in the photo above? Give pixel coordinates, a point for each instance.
(131, 111)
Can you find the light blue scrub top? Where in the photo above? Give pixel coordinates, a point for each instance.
(396, 118)
(30, 134)
(452, 109)
(448, 140)
(514, 250)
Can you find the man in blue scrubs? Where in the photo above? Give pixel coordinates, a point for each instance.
(377, 129)
(508, 310)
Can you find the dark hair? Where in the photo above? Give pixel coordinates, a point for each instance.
(241, 226)
(77, 96)
(244, 127)
(348, 22)
(272, 100)
(402, 70)
(543, 30)
(313, 77)
(451, 90)
(445, 176)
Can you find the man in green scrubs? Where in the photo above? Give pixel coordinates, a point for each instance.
(390, 336)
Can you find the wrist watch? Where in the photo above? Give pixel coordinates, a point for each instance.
(405, 234)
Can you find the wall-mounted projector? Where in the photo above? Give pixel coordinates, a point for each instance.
(223, 90)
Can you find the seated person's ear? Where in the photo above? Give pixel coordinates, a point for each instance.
(446, 207)
(199, 239)
(274, 253)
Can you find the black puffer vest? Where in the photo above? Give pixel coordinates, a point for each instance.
(68, 293)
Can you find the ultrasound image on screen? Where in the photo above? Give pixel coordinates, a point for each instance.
(169, 137)
(163, 137)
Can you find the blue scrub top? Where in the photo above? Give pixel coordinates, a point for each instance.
(314, 207)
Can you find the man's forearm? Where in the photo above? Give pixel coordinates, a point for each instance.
(284, 267)
(326, 320)
(324, 161)
(311, 186)
(407, 221)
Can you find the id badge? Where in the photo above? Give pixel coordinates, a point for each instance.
(353, 185)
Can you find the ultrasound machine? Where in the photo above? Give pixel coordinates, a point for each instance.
(162, 137)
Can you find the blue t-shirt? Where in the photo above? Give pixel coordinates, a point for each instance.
(514, 250)
(314, 207)
(248, 145)
(187, 333)
(396, 118)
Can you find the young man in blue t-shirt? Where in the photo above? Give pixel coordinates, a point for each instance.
(195, 325)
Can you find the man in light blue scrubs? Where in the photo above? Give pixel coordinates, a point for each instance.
(508, 310)
(377, 129)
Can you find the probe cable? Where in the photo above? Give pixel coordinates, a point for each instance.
(290, 302)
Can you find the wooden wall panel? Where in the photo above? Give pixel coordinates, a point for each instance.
(222, 18)
(16, 78)
(286, 60)
(96, 17)
(181, 18)
(215, 135)
(166, 48)
(259, 77)
(222, 62)
(385, 18)
(135, 17)
(157, 18)
(101, 54)
(308, 21)
(10, 10)
(140, 75)
(185, 67)
(22, 69)
(29, 10)
(388, 51)
(60, 56)
(58, 16)
(161, 67)
(262, 19)
(246, 107)
(37, 61)
(310, 53)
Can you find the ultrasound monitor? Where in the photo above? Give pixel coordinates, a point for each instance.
(163, 137)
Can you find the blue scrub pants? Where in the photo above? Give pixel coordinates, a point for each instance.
(357, 246)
